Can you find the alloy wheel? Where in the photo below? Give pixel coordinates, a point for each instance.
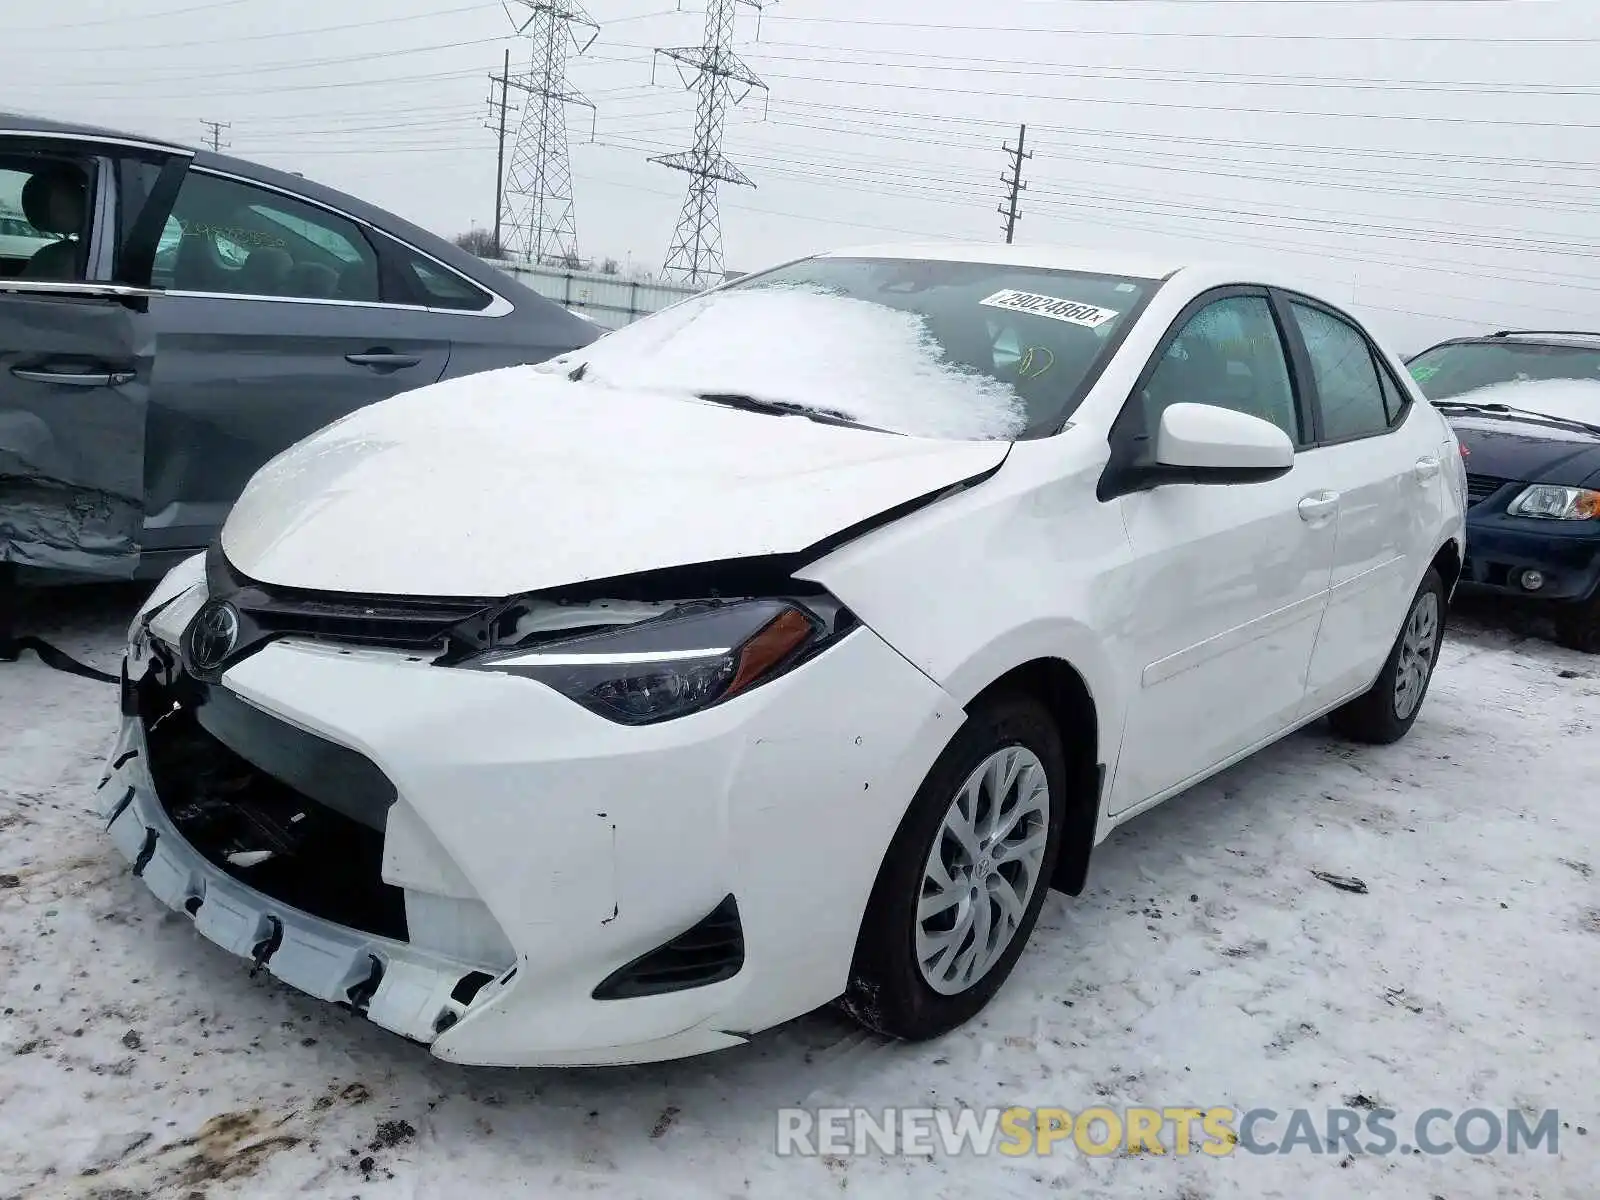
(1418, 643)
(982, 870)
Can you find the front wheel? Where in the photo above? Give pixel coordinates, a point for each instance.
(1387, 710)
(1578, 625)
(965, 876)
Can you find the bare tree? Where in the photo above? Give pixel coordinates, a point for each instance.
(480, 242)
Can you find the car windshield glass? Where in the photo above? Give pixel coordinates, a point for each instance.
(927, 348)
(1454, 370)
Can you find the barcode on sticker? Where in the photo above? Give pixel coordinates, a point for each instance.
(1054, 307)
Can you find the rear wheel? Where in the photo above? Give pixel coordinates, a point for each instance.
(1388, 709)
(965, 877)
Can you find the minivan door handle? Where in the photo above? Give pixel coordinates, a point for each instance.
(1426, 469)
(87, 379)
(1318, 507)
(383, 358)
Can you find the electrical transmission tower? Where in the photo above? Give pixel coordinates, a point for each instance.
(214, 133)
(1014, 182)
(695, 256)
(543, 226)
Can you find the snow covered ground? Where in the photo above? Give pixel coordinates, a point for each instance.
(1206, 966)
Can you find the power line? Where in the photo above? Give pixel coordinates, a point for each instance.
(124, 48)
(141, 17)
(962, 64)
(1224, 143)
(1248, 35)
(296, 64)
(1091, 203)
(1503, 122)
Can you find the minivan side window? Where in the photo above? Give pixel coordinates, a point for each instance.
(1352, 398)
(237, 239)
(1228, 354)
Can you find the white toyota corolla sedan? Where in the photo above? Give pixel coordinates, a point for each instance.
(782, 648)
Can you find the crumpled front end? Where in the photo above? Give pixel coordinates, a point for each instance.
(475, 861)
(300, 887)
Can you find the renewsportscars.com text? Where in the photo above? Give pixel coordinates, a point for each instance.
(1179, 1130)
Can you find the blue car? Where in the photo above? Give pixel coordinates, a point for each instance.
(1526, 410)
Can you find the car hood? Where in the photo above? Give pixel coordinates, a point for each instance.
(518, 480)
(1528, 450)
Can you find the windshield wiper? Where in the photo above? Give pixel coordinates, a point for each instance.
(786, 408)
(1506, 410)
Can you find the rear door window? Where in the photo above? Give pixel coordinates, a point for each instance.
(234, 238)
(1348, 389)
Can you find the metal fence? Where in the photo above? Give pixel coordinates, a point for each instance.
(609, 300)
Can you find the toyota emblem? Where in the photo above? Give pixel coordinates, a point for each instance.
(213, 634)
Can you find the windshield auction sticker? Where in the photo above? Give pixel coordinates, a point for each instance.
(1054, 307)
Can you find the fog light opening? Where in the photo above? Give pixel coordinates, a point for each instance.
(1532, 581)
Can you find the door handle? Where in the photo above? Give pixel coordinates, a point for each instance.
(383, 358)
(1318, 506)
(75, 378)
(1426, 469)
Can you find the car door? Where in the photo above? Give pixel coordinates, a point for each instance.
(278, 317)
(77, 357)
(1229, 579)
(1389, 479)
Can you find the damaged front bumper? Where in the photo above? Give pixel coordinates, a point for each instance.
(539, 852)
(406, 990)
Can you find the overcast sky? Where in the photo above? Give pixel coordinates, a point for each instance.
(1433, 163)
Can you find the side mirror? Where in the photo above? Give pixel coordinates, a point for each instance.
(1221, 445)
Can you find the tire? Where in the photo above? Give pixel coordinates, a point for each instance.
(1578, 625)
(1383, 714)
(890, 991)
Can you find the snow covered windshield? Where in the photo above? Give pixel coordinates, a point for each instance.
(1460, 367)
(934, 349)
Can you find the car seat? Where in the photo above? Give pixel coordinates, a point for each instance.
(56, 201)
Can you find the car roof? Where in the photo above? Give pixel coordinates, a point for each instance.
(1055, 258)
(1572, 339)
(20, 122)
(1202, 273)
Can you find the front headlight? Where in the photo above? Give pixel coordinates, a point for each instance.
(693, 657)
(1556, 503)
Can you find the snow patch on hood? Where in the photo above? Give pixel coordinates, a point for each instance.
(514, 480)
(876, 365)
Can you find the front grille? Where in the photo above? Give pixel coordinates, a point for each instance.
(1481, 487)
(708, 953)
(401, 624)
(267, 611)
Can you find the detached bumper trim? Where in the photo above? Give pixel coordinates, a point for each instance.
(413, 989)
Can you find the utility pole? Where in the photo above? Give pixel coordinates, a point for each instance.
(1014, 182)
(695, 255)
(497, 109)
(214, 133)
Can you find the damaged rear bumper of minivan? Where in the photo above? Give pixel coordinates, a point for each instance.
(476, 863)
